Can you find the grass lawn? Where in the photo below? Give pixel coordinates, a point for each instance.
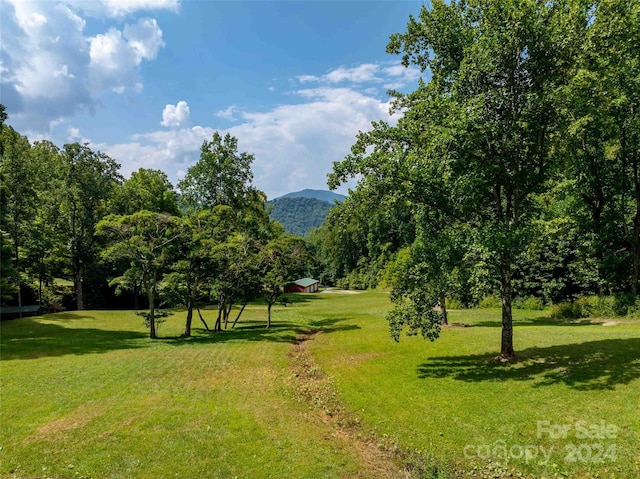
(87, 394)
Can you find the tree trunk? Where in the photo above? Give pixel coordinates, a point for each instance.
(218, 325)
(227, 312)
(506, 349)
(269, 314)
(151, 293)
(635, 273)
(77, 279)
(202, 319)
(443, 309)
(239, 314)
(152, 312)
(187, 326)
(136, 296)
(18, 277)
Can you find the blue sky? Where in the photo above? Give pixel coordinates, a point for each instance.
(146, 81)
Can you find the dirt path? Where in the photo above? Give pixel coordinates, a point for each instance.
(313, 387)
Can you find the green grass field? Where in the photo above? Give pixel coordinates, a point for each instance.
(325, 393)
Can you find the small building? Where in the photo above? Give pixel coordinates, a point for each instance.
(304, 285)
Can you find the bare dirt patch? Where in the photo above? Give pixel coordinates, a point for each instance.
(78, 418)
(313, 387)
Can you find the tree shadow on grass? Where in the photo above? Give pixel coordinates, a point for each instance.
(33, 339)
(279, 332)
(585, 366)
(539, 321)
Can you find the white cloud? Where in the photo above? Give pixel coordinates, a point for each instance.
(395, 76)
(74, 136)
(229, 113)
(177, 115)
(115, 55)
(359, 74)
(122, 8)
(144, 38)
(51, 69)
(294, 144)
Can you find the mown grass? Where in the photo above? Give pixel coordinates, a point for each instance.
(87, 394)
(438, 398)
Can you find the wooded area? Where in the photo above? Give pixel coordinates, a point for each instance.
(513, 172)
(513, 169)
(67, 213)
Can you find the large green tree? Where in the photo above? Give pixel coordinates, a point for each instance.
(222, 206)
(474, 142)
(88, 179)
(19, 197)
(222, 176)
(146, 240)
(146, 189)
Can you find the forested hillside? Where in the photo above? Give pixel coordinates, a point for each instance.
(324, 195)
(299, 215)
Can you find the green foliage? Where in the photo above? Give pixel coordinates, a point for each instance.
(531, 303)
(299, 215)
(490, 302)
(222, 176)
(147, 242)
(158, 317)
(148, 190)
(282, 260)
(597, 307)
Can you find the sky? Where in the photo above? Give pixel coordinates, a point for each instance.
(147, 81)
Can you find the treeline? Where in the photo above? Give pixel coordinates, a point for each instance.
(513, 171)
(67, 213)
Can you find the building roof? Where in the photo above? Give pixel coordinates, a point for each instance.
(304, 282)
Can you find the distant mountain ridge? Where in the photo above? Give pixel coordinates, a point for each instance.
(301, 211)
(323, 195)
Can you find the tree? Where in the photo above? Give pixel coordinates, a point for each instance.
(46, 248)
(222, 176)
(146, 189)
(474, 142)
(222, 206)
(602, 144)
(145, 240)
(19, 199)
(281, 260)
(88, 179)
(196, 268)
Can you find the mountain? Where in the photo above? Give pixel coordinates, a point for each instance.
(323, 195)
(301, 211)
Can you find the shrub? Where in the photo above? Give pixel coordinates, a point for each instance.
(598, 306)
(490, 302)
(531, 303)
(566, 310)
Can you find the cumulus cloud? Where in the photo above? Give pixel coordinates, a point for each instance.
(115, 55)
(177, 115)
(229, 113)
(392, 76)
(122, 8)
(74, 136)
(51, 69)
(294, 144)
